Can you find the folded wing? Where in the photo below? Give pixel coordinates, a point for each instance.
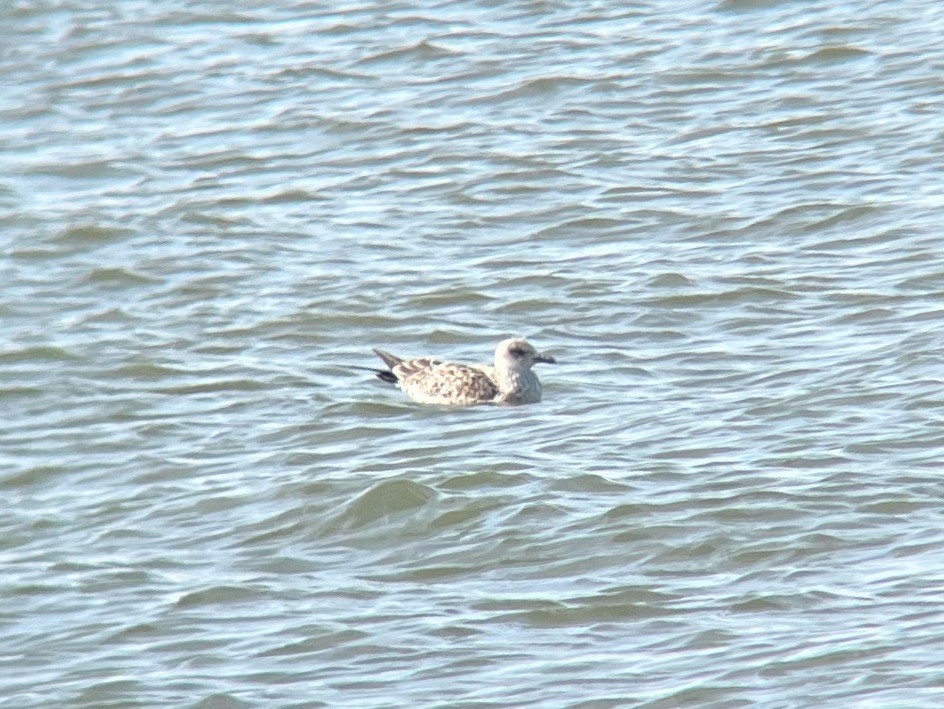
(431, 381)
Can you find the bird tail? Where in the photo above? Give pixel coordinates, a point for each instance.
(391, 361)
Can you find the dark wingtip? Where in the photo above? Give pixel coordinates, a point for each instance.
(391, 361)
(387, 376)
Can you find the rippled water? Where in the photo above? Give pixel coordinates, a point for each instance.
(722, 218)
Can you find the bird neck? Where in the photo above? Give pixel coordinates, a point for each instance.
(513, 380)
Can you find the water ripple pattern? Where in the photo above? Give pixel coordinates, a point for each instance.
(722, 218)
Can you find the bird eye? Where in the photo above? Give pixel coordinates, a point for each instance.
(517, 352)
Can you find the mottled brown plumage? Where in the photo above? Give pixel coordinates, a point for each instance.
(431, 381)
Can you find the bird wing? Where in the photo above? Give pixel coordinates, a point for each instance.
(430, 381)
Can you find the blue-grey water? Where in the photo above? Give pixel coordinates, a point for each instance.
(723, 218)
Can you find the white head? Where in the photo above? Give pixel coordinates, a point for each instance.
(518, 354)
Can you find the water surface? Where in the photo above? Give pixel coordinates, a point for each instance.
(722, 218)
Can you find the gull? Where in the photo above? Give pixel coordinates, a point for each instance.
(431, 381)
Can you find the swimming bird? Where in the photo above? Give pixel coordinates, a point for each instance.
(509, 381)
